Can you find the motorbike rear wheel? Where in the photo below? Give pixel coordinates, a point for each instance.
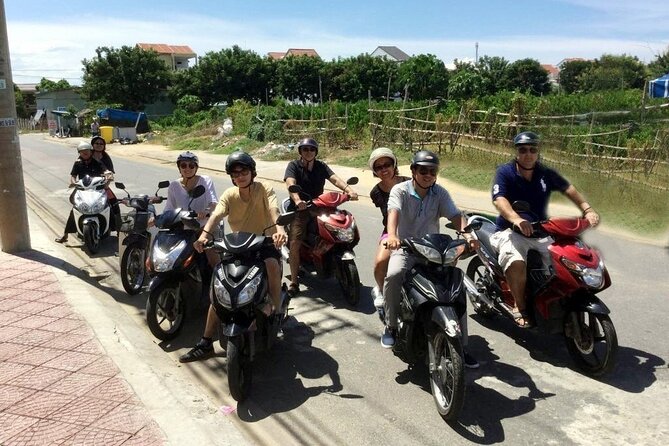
(165, 311)
(476, 271)
(596, 352)
(349, 280)
(239, 368)
(91, 239)
(447, 374)
(133, 272)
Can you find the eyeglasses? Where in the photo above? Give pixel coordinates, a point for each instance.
(380, 167)
(524, 150)
(308, 149)
(428, 171)
(239, 173)
(187, 166)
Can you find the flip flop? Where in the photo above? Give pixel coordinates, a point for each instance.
(522, 316)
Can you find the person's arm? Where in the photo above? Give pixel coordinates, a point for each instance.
(506, 211)
(299, 204)
(393, 242)
(341, 184)
(207, 231)
(588, 212)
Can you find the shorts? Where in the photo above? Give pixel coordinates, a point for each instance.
(513, 247)
(269, 252)
(384, 237)
(298, 227)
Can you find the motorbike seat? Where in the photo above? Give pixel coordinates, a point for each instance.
(487, 230)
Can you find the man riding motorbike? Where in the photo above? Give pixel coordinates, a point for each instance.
(526, 179)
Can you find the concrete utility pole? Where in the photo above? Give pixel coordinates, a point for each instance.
(14, 231)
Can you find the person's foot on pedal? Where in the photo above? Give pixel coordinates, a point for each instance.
(388, 338)
(470, 361)
(202, 350)
(293, 289)
(62, 239)
(378, 297)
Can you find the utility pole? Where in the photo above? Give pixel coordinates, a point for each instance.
(14, 231)
(476, 55)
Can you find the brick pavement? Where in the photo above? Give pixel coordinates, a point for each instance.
(57, 384)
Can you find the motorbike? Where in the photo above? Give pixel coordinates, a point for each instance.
(137, 237)
(561, 297)
(174, 267)
(331, 236)
(92, 211)
(433, 302)
(239, 291)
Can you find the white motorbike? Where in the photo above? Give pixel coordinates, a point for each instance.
(92, 211)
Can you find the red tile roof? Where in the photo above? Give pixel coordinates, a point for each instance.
(302, 52)
(161, 48)
(276, 55)
(551, 69)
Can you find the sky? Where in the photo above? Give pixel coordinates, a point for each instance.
(50, 38)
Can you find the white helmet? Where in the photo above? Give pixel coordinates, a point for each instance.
(83, 145)
(381, 152)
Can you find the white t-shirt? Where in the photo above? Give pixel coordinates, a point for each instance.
(177, 197)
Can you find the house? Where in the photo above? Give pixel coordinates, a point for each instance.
(276, 55)
(553, 73)
(569, 59)
(176, 57)
(29, 91)
(55, 104)
(391, 53)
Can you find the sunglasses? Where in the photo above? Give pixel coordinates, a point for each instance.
(379, 167)
(428, 171)
(308, 149)
(524, 150)
(187, 166)
(98, 143)
(239, 173)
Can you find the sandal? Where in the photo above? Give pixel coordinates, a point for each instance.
(62, 239)
(293, 289)
(268, 309)
(202, 350)
(522, 319)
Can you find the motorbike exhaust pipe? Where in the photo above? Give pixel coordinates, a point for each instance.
(470, 286)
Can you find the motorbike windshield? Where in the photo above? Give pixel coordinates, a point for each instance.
(565, 227)
(330, 199)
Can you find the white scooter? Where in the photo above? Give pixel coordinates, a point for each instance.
(92, 211)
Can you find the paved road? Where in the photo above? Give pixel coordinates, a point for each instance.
(329, 382)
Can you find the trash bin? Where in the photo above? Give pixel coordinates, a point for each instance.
(107, 133)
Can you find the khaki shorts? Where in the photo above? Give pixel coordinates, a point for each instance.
(513, 247)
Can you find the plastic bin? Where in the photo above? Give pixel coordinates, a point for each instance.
(107, 133)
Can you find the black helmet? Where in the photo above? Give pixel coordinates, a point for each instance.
(188, 156)
(526, 138)
(242, 159)
(425, 158)
(307, 142)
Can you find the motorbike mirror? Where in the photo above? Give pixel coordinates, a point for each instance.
(197, 192)
(352, 181)
(521, 206)
(163, 184)
(119, 185)
(286, 218)
(294, 189)
(473, 226)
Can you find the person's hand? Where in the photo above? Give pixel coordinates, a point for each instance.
(592, 217)
(524, 226)
(151, 223)
(473, 244)
(201, 215)
(353, 195)
(199, 243)
(300, 205)
(279, 239)
(392, 243)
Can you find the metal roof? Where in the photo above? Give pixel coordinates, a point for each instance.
(162, 48)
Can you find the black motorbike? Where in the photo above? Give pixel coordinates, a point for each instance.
(173, 263)
(137, 237)
(239, 292)
(433, 302)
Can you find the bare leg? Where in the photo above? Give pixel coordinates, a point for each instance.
(212, 322)
(516, 277)
(274, 279)
(381, 265)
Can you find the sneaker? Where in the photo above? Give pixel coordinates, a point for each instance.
(202, 350)
(378, 297)
(470, 361)
(388, 338)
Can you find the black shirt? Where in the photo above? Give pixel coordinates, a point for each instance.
(380, 200)
(311, 181)
(92, 168)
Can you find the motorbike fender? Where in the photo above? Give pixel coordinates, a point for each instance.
(134, 238)
(447, 319)
(162, 278)
(234, 329)
(348, 255)
(588, 303)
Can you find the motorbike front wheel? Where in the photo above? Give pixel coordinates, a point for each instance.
(239, 368)
(91, 239)
(591, 341)
(476, 271)
(165, 311)
(349, 280)
(133, 272)
(447, 374)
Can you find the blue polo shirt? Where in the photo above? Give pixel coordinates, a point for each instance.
(419, 216)
(511, 185)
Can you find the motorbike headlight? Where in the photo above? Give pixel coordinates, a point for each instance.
(592, 277)
(164, 260)
(430, 254)
(98, 205)
(453, 254)
(81, 204)
(249, 291)
(221, 293)
(342, 234)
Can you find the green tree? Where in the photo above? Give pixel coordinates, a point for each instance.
(21, 106)
(129, 76)
(571, 73)
(659, 66)
(425, 75)
(353, 78)
(465, 82)
(297, 77)
(48, 85)
(527, 75)
(492, 70)
(611, 72)
(226, 75)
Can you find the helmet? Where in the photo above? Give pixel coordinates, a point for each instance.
(529, 138)
(307, 142)
(83, 145)
(381, 152)
(240, 158)
(425, 158)
(188, 156)
(95, 138)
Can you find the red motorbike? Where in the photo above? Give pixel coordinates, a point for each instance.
(561, 297)
(331, 236)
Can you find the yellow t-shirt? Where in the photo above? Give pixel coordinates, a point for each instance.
(252, 215)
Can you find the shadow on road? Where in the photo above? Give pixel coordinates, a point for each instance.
(329, 291)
